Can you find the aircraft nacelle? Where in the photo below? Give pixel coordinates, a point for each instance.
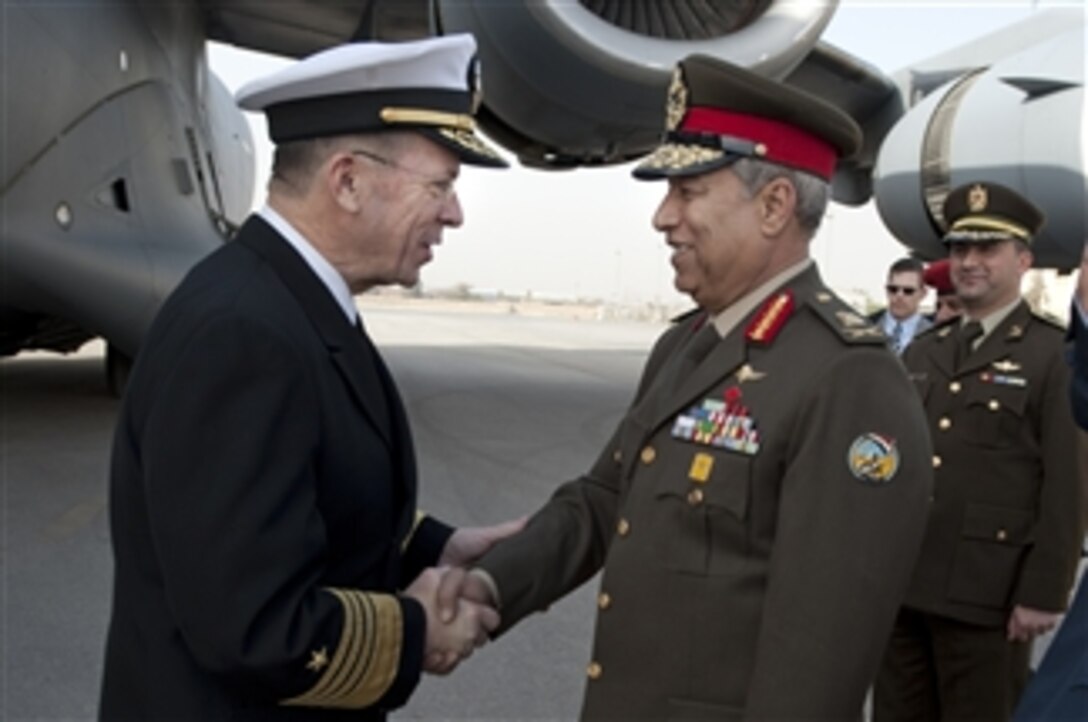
(583, 83)
(1021, 123)
(125, 162)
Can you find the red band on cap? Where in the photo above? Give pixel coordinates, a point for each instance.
(786, 144)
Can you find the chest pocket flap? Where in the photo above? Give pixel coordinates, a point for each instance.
(699, 512)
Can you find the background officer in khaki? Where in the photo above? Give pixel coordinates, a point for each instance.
(1004, 530)
(758, 510)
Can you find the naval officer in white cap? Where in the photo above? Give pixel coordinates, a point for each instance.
(270, 561)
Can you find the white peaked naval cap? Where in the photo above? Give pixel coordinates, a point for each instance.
(429, 86)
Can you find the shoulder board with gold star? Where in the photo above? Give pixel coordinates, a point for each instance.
(848, 324)
(770, 318)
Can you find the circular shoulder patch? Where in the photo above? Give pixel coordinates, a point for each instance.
(873, 458)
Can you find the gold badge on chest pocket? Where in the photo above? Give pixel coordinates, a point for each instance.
(701, 467)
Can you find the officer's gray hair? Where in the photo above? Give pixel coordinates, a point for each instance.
(813, 194)
(295, 163)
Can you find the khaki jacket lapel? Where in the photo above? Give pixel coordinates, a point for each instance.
(677, 389)
(943, 353)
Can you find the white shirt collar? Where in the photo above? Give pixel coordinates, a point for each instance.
(991, 322)
(907, 326)
(329, 276)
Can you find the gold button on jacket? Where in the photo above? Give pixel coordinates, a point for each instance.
(1007, 451)
(734, 597)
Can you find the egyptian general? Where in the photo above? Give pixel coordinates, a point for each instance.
(759, 507)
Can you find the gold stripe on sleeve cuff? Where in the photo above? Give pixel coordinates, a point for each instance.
(367, 656)
(420, 516)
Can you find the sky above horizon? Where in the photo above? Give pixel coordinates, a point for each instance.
(587, 234)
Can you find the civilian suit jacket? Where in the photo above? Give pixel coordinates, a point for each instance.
(923, 325)
(756, 515)
(262, 504)
(1004, 526)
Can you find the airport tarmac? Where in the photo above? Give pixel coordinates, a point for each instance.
(504, 406)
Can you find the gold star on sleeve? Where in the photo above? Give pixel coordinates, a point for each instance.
(365, 662)
(319, 659)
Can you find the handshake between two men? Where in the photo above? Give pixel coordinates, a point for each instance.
(459, 606)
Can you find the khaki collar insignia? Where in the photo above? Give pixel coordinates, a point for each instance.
(823, 297)
(1016, 331)
(319, 659)
(1006, 366)
(770, 318)
(944, 331)
(747, 373)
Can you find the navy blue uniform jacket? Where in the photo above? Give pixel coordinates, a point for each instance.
(262, 503)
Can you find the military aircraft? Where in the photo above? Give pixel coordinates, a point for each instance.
(125, 159)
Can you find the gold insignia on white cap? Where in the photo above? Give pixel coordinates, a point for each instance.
(422, 116)
(428, 86)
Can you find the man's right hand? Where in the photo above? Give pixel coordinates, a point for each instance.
(453, 632)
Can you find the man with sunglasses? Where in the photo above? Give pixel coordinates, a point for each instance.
(901, 321)
(759, 506)
(270, 561)
(1004, 531)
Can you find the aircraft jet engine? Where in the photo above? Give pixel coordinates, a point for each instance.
(125, 161)
(1019, 122)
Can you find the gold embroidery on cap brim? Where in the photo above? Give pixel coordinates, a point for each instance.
(673, 156)
(468, 140)
(421, 116)
(984, 224)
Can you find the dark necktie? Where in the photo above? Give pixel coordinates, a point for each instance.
(965, 341)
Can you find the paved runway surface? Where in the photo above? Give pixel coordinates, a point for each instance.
(503, 407)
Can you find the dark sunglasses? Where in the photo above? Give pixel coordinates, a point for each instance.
(905, 290)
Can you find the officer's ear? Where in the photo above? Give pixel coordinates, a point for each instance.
(777, 202)
(343, 177)
(1025, 259)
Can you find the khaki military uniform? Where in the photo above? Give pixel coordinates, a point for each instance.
(1004, 527)
(756, 516)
